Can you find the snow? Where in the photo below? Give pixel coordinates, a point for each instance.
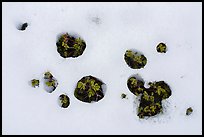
(109, 29)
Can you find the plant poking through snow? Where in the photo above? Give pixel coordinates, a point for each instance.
(89, 89)
(135, 86)
(135, 60)
(69, 46)
(81, 85)
(48, 75)
(50, 82)
(35, 83)
(64, 100)
(95, 86)
(151, 98)
(161, 47)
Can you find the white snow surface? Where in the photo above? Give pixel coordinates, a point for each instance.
(109, 29)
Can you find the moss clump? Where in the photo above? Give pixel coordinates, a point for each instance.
(48, 75)
(151, 98)
(161, 89)
(64, 100)
(150, 104)
(135, 86)
(69, 46)
(135, 60)
(35, 83)
(50, 82)
(189, 111)
(161, 47)
(89, 89)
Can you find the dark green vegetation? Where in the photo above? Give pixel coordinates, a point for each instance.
(189, 111)
(64, 100)
(161, 47)
(69, 46)
(135, 60)
(151, 98)
(35, 83)
(50, 82)
(135, 86)
(89, 89)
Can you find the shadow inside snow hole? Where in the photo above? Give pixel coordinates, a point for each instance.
(22, 26)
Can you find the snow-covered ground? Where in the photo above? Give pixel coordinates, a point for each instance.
(109, 29)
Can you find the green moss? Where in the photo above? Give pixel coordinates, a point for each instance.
(35, 83)
(79, 41)
(50, 82)
(161, 88)
(69, 46)
(140, 59)
(89, 89)
(77, 47)
(149, 101)
(91, 93)
(48, 75)
(95, 86)
(65, 45)
(81, 85)
(145, 96)
(161, 47)
(135, 60)
(130, 54)
(133, 81)
(64, 100)
(151, 98)
(135, 86)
